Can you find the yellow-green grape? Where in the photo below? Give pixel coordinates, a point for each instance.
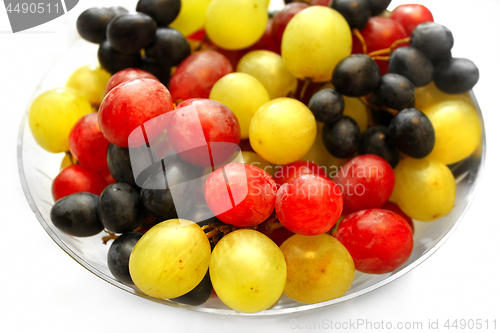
(90, 82)
(52, 116)
(269, 68)
(430, 95)
(319, 268)
(458, 130)
(170, 259)
(282, 130)
(191, 17)
(243, 94)
(235, 25)
(314, 42)
(248, 271)
(425, 188)
(249, 157)
(266, 3)
(67, 160)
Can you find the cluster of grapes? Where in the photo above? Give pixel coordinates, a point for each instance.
(306, 164)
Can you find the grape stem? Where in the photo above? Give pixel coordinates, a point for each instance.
(304, 89)
(361, 39)
(388, 51)
(111, 235)
(382, 58)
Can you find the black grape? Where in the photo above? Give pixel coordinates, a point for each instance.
(327, 105)
(119, 165)
(341, 138)
(119, 255)
(413, 65)
(129, 33)
(77, 214)
(114, 61)
(456, 76)
(119, 208)
(395, 91)
(118, 10)
(163, 12)
(413, 133)
(355, 12)
(92, 24)
(380, 116)
(199, 295)
(376, 141)
(162, 73)
(168, 48)
(433, 39)
(356, 76)
(378, 6)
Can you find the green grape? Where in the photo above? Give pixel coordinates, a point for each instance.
(425, 188)
(314, 41)
(170, 259)
(249, 157)
(319, 268)
(282, 130)
(235, 25)
(90, 82)
(191, 17)
(243, 94)
(52, 116)
(430, 95)
(269, 68)
(248, 271)
(458, 130)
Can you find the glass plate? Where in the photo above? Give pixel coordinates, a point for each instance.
(38, 168)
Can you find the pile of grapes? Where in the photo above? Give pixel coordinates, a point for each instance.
(243, 154)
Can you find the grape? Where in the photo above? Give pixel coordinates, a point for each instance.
(240, 194)
(309, 204)
(413, 133)
(378, 240)
(274, 230)
(320, 2)
(129, 33)
(458, 130)
(282, 131)
(92, 24)
(119, 256)
(235, 25)
(113, 61)
(90, 82)
(197, 122)
(170, 259)
(391, 206)
(395, 91)
(327, 105)
(196, 75)
(118, 11)
(314, 56)
(257, 161)
(425, 188)
(199, 295)
(160, 72)
(299, 168)
(283, 17)
(356, 75)
(267, 42)
(270, 70)
(191, 17)
(378, 6)
(248, 271)
(131, 105)
(412, 64)
(118, 160)
(168, 48)
(75, 179)
(77, 215)
(434, 40)
(430, 95)
(410, 16)
(119, 208)
(376, 141)
(243, 94)
(67, 160)
(127, 75)
(319, 268)
(52, 116)
(163, 12)
(356, 12)
(456, 76)
(380, 115)
(342, 137)
(355, 109)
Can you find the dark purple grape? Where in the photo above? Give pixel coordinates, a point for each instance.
(413, 65)
(355, 12)
(378, 6)
(327, 105)
(92, 24)
(119, 255)
(120, 208)
(119, 165)
(118, 10)
(199, 295)
(434, 40)
(394, 91)
(376, 141)
(456, 76)
(162, 73)
(129, 33)
(341, 138)
(168, 48)
(77, 214)
(413, 133)
(356, 76)
(114, 61)
(163, 12)
(380, 115)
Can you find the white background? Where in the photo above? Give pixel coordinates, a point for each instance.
(43, 289)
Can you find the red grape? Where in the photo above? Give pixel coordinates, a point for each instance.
(366, 182)
(274, 230)
(197, 74)
(267, 41)
(127, 75)
(294, 169)
(309, 205)
(132, 105)
(378, 240)
(281, 19)
(391, 206)
(240, 194)
(320, 2)
(77, 178)
(197, 122)
(409, 16)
